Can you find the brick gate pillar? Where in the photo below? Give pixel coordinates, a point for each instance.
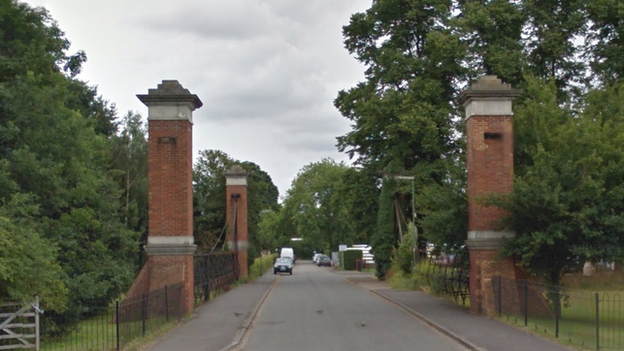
(170, 245)
(236, 200)
(489, 159)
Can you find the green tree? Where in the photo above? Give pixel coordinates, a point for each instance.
(28, 265)
(209, 199)
(360, 192)
(404, 117)
(552, 29)
(443, 210)
(384, 239)
(605, 41)
(402, 114)
(54, 155)
(129, 149)
(492, 33)
(319, 212)
(567, 201)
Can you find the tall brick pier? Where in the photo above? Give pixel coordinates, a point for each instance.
(170, 245)
(236, 200)
(489, 156)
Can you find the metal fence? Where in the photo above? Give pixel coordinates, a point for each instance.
(111, 327)
(105, 328)
(590, 319)
(447, 273)
(214, 273)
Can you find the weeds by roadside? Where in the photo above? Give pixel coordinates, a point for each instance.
(260, 266)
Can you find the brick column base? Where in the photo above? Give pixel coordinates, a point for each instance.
(484, 265)
(169, 270)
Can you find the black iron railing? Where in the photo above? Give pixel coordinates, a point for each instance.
(214, 273)
(107, 328)
(590, 319)
(447, 273)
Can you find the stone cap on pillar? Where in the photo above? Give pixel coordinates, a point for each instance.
(236, 175)
(488, 96)
(170, 101)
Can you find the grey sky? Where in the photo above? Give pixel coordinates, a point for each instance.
(267, 71)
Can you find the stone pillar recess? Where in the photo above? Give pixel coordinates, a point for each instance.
(236, 200)
(170, 245)
(489, 158)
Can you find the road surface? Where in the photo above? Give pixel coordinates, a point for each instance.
(315, 309)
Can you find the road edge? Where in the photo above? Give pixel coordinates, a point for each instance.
(434, 325)
(240, 334)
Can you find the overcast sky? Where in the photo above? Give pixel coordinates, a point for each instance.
(267, 71)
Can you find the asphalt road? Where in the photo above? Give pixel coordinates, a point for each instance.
(291, 318)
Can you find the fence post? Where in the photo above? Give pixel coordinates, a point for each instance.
(166, 304)
(597, 321)
(526, 304)
(557, 311)
(143, 307)
(500, 296)
(117, 322)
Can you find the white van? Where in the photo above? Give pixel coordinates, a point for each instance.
(288, 252)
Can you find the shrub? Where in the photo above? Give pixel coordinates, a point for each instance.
(404, 257)
(260, 266)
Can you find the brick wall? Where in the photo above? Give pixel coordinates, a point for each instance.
(490, 167)
(170, 177)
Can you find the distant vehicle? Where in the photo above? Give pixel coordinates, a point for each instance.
(283, 265)
(430, 249)
(324, 261)
(316, 257)
(288, 252)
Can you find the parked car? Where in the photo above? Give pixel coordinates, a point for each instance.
(316, 257)
(324, 261)
(283, 265)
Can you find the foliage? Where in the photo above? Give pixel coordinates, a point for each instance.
(384, 240)
(349, 258)
(359, 191)
(128, 152)
(443, 209)
(260, 266)
(28, 264)
(567, 206)
(54, 152)
(401, 114)
(209, 198)
(403, 255)
(606, 39)
(316, 206)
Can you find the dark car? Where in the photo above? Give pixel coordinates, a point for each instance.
(283, 265)
(324, 261)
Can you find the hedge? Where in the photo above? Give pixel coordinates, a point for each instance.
(349, 259)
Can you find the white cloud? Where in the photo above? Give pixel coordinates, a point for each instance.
(267, 71)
